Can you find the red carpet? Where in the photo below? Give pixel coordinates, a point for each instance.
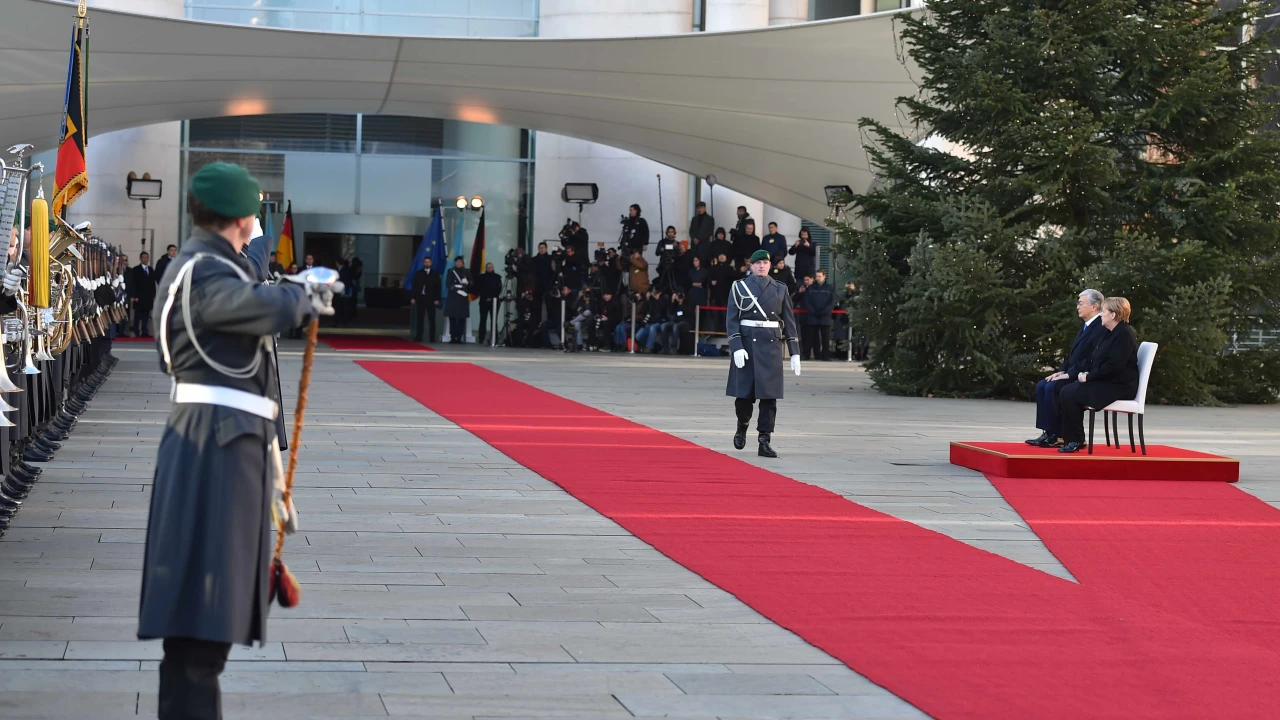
(372, 343)
(1161, 462)
(959, 632)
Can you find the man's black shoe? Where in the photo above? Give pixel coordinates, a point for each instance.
(1050, 442)
(765, 450)
(32, 455)
(740, 437)
(20, 479)
(14, 492)
(1035, 442)
(1071, 447)
(32, 470)
(45, 446)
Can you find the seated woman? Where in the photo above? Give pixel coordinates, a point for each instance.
(1112, 374)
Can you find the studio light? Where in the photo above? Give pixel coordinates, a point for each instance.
(581, 193)
(477, 202)
(462, 202)
(143, 188)
(838, 195)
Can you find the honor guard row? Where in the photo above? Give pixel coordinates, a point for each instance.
(57, 304)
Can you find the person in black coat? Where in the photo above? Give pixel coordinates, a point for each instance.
(143, 295)
(720, 245)
(745, 243)
(806, 254)
(489, 288)
(1089, 308)
(1112, 374)
(162, 264)
(818, 300)
(636, 230)
(697, 282)
(544, 273)
(701, 225)
(425, 299)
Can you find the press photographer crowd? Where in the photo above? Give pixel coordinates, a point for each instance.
(568, 297)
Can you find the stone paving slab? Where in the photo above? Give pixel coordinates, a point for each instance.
(442, 580)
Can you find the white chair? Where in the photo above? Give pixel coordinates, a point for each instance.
(1136, 406)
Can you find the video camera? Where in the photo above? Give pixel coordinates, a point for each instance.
(512, 264)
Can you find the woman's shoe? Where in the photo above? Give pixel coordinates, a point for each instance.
(1071, 447)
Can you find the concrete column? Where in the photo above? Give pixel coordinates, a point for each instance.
(623, 178)
(788, 12)
(725, 15)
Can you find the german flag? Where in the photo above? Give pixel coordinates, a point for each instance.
(284, 251)
(477, 256)
(70, 178)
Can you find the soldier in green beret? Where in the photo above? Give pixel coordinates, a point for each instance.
(760, 322)
(208, 551)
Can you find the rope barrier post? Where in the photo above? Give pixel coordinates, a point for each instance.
(697, 326)
(562, 342)
(494, 323)
(849, 325)
(633, 329)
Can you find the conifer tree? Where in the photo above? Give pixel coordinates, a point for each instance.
(1116, 144)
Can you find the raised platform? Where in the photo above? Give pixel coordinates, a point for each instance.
(1162, 462)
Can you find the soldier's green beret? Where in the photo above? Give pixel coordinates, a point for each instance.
(759, 255)
(227, 189)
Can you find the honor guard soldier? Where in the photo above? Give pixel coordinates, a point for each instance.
(760, 321)
(208, 551)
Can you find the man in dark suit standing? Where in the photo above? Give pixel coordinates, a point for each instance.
(425, 299)
(1089, 307)
(162, 264)
(143, 295)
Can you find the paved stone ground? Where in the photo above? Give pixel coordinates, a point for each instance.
(442, 580)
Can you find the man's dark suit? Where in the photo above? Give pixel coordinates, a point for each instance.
(144, 297)
(1077, 362)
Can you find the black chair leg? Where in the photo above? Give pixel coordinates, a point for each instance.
(1141, 437)
(1092, 414)
(1132, 449)
(1106, 426)
(1115, 427)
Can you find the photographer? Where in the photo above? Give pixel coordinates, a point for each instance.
(607, 312)
(526, 325)
(656, 314)
(520, 267)
(552, 323)
(611, 271)
(570, 268)
(678, 314)
(743, 219)
(668, 241)
(635, 231)
(573, 235)
(581, 315)
(701, 226)
(806, 254)
(489, 288)
(638, 279)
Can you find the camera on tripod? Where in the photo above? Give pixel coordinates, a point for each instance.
(511, 264)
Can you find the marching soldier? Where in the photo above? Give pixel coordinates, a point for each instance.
(759, 314)
(205, 571)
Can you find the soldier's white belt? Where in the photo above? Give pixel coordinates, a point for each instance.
(190, 393)
(760, 323)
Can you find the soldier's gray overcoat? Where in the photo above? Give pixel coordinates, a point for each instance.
(208, 546)
(762, 374)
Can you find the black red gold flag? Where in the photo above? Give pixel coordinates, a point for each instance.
(70, 177)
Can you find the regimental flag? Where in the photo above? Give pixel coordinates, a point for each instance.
(70, 178)
(477, 255)
(284, 251)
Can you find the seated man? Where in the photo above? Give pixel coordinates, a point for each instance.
(1089, 307)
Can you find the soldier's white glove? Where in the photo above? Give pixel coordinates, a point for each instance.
(282, 510)
(740, 358)
(13, 280)
(795, 365)
(322, 296)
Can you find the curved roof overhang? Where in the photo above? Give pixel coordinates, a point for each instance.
(772, 113)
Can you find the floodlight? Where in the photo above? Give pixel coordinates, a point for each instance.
(143, 188)
(477, 202)
(462, 202)
(582, 193)
(838, 195)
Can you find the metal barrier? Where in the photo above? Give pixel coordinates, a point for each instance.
(697, 324)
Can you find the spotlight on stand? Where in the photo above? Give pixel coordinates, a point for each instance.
(461, 202)
(477, 202)
(580, 194)
(143, 188)
(838, 197)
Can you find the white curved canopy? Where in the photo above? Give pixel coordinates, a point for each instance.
(772, 113)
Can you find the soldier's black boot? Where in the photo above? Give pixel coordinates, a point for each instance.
(765, 450)
(740, 437)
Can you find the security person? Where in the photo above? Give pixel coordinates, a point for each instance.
(208, 549)
(760, 321)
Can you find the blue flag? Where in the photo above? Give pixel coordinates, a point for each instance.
(432, 246)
